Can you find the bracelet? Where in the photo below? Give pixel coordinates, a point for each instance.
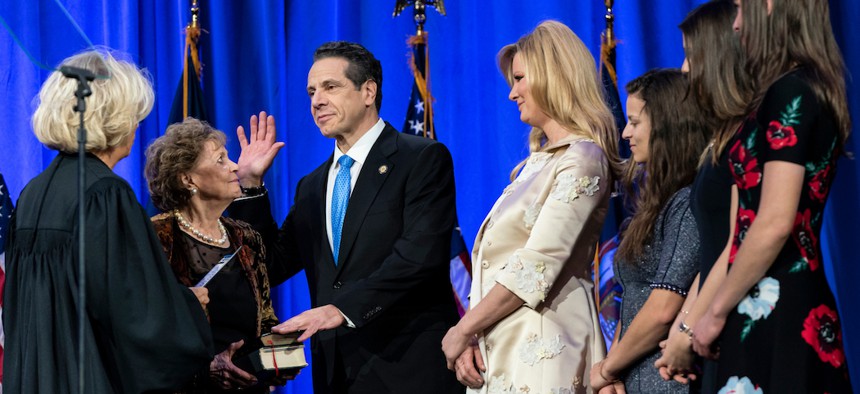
(683, 327)
(254, 190)
(600, 372)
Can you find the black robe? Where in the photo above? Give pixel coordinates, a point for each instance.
(144, 331)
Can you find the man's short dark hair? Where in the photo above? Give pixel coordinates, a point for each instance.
(363, 66)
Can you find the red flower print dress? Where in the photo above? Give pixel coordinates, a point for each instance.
(785, 335)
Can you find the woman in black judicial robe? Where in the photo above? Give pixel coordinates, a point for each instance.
(144, 331)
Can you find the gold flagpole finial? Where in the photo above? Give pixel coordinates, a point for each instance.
(610, 19)
(420, 11)
(194, 11)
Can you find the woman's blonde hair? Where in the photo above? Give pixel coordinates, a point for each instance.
(121, 97)
(564, 84)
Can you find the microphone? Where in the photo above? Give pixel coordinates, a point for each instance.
(77, 73)
(83, 76)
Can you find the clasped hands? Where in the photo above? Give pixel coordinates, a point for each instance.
(464, 357)
(677, 360)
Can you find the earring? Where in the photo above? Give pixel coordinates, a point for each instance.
(193, 190)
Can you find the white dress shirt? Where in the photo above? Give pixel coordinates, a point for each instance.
(357, 152)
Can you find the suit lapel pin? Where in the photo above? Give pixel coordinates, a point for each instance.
(383, 169)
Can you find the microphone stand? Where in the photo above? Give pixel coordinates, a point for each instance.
(83, 91)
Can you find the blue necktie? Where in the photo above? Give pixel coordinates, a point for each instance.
(339, 201)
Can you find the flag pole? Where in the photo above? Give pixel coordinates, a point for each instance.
(419, 11)
(607, 60)
(192, 35)
(419, 121)
(420, 43)
(188, 99)
(607, 42)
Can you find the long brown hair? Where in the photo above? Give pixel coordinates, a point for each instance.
(796, 35)
(678, 135)
(563, 83)
(718, 78)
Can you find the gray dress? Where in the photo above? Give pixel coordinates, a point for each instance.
(669, 262)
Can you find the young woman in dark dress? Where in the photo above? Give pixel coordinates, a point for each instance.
(774, 314)
(720, 84)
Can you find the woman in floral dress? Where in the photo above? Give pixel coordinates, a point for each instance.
(532, 326)
(775, 316)
(657, 258)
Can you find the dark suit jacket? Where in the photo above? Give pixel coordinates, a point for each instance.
(392, 280)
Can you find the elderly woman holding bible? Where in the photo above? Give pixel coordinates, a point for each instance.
(192, 181)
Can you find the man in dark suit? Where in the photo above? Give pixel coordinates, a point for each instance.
(371, 227)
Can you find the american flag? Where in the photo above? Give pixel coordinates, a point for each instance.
(608, 290)
(5, 215)
(419, 121)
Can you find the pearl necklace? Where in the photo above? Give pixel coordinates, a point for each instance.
(203, 237)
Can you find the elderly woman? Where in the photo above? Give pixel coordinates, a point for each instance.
(193, 181)
(142, 330)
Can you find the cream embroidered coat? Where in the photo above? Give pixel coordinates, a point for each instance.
(538, 241)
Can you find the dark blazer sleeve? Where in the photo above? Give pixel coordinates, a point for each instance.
(282, 261)
(419, 257)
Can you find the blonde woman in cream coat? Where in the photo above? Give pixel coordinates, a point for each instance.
(532, 326)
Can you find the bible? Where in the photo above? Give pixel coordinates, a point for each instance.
(274, 355)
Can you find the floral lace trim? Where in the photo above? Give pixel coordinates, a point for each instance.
(666, 286)
(536, 162)
(569, 187)
(500, 385)
(529, 275)
(536, 349)
(531, 215)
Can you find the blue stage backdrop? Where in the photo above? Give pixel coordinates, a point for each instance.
(257, 53)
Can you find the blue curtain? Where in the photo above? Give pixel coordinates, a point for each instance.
(257, 53)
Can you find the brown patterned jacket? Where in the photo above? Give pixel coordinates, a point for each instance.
(252, 257)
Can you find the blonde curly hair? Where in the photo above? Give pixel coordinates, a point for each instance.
(121, 97)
